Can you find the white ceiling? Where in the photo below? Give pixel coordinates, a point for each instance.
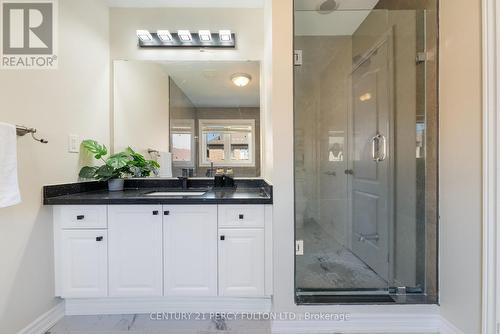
(342, 22)
(187, 3)
(208, 84)
(342, 4)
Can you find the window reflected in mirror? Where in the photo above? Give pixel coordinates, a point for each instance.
(227, 143)
(214, 147)
(240, 146)
(182, 138)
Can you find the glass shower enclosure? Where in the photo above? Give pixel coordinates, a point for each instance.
(365, 111)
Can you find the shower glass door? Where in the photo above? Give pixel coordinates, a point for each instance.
(365, 157)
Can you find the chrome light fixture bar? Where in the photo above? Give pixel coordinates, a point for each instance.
(186, 39)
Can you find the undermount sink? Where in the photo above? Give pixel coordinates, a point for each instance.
(176, 193)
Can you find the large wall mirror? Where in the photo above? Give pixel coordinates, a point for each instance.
(195, 118)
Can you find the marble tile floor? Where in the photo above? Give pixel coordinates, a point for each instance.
(326, 264)
(142, 324)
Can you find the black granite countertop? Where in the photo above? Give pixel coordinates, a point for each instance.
(246, 191)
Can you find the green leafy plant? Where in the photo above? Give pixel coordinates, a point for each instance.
(118, 165)
(138, 166)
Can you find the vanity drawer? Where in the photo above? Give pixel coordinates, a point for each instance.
(241, 216)
(81, 216)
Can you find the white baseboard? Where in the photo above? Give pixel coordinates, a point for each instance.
(448, 328)
(44, 322)
(98, 306)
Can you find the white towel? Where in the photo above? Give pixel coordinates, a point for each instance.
(165, 161)
(9, 187)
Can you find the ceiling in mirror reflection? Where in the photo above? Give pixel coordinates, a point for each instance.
(343, 18)
(209, 84)
(314, 5)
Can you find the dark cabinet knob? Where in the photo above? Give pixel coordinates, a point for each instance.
(99, 238)
(222, 237)
(166, 213)
(80, 217)
(155, 213)
(241, 216)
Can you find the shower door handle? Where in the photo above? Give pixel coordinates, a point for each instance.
(376, 148)
(384, 148)
(375, 140)
(369, 237)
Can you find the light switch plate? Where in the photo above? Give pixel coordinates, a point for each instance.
(73, 144)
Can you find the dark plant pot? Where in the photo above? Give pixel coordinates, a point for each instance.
(116, 184)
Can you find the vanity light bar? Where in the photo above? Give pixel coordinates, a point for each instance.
(184, 35)
(185, 38)
(225, 35)
(164, 35)
(144, 35)
(205, 35)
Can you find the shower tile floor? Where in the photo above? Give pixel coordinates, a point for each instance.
(326, 264)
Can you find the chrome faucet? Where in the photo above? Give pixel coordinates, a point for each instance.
(210, 172)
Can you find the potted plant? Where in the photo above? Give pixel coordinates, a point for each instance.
(117, 166)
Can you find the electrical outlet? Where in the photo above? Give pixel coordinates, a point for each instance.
(73, 144)
(299, 247)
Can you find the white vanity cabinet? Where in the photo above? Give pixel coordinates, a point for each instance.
(141, 251)
(190, 238)
(135, 250)
(241, 259)
(81, 251)
(84, 259)
(241, 250)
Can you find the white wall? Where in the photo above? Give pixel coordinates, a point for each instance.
(72, 99)
(141, 113)
(281, 100)
(265, 94)
(247, 23)
(460, 163)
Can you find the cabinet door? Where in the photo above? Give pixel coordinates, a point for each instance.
(190, 239)
(241, 262)
(84, 263)
(135, 250)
